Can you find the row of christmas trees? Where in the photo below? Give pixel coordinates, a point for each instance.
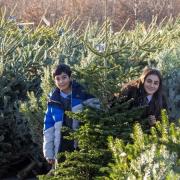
(100, 60)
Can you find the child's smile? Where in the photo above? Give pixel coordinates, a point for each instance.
(63, 81)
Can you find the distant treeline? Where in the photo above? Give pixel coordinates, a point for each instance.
(118, 10)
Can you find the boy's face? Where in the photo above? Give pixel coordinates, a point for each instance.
(62, 81)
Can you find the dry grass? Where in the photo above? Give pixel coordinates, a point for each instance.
(118, 10)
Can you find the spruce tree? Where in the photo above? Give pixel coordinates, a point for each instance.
(16, 143)
(154, 155)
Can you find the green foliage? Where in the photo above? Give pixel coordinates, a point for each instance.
(156, 156)
(169, 64)
(103, 72)
(16, 143)
(47, 83)
(34, 113)
(102, 61)
(35, 107)
(93, 152)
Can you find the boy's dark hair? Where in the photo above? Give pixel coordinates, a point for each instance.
(62, 68)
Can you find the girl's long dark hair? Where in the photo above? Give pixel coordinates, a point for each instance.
(139, 84)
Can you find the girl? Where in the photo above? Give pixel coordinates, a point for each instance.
(147, 91)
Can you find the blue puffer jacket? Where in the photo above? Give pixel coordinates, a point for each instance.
(54, 116)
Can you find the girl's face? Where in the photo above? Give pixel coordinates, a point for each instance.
(63, 81)
(151, 84)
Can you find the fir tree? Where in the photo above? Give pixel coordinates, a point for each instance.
(154, 155)
(93, 152)
(16, 143)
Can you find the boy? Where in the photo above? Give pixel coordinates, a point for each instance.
(67, 96)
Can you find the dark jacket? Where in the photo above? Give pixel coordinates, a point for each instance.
(139, 99)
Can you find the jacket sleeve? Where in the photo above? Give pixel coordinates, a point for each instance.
(90, 100)
(122, 96)
(77, 105)
(128, 92)
(52, 131)
(57, 115)
(48, 135)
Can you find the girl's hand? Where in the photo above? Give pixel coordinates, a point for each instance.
(51, 161)
(152, 120)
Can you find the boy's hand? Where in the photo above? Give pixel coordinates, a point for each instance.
(152, 120)
(51, 161)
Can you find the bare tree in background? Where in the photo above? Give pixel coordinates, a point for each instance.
(145, 10)
(118, 10)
